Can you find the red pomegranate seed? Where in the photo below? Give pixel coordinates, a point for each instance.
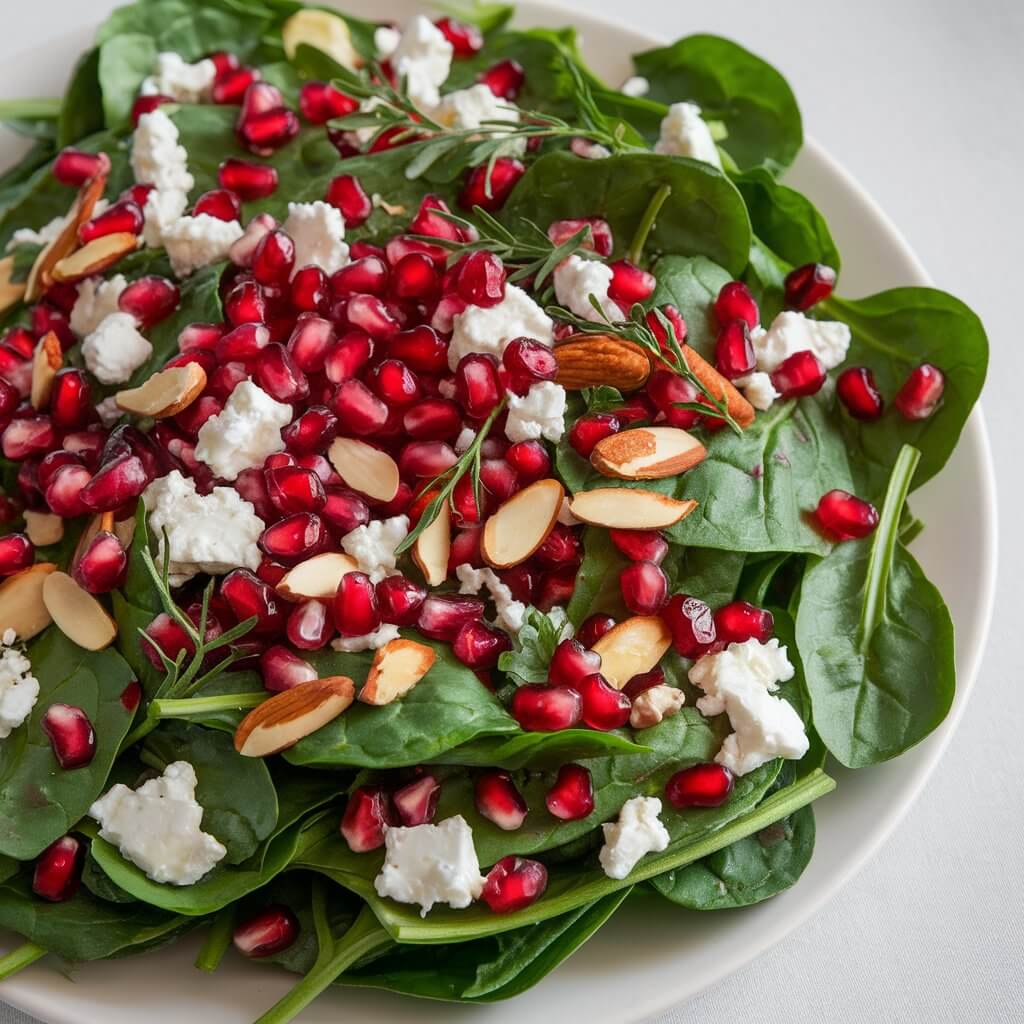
(347, 194)
(479, 645)
(356, 611)
(402, 245)
(23, 438)
(441, 616)
(263, 133)
(200, 337)
(561, 547)
(15, 370)
(121, 480)
(735, 302)
(513, 884)
(146, 105)
(294, 489)
(845, 516)
(741, 621)
(150, 299)
(426, 459)
(370, 314)
(9, 398)
(310, 290)
(477, 385)
(808, 285)
(74, 167)
(593, 628)
(416, 802)
(310, 625)
(428, 220)
(57, 873)
(312, 431)
(294, 538)
(858, 392)
(16, 553)
(277, 374)
(481, 279)
(320, 102)
(499, 479)
(644, 587)
(421, 348)
(675, 320)
(267, 932)
(246, 179)
(219, 203)
(640, 545)
(415, 276)
(395, 383)
(71, 735)
(169, 637)
(223, 62)
(50, 463)
(504, 79)
(400, 600)
(310, 342)
(348, 356)
(572, 663)
(122, 216)
(921, 392)
(604, 707)
(345, 511)
(465, 549)
(798, 375)
(498, 800)
(530, 461)
(232, 85)
(591, 428)
(103, 566)
(248, 596)
(274, 259)
(63, 493)
(630, 284)
(192, 418)
(598, 239)
(358, 409)
(734, 351)
(466, 39)
(366, 815)
(131, 696)
(490, 192)
(572, 795)
(528, 362)
(138, 194)
(643, 682)
(245, 304)
(281, 669)
(702, 785)
(691, 624)
(434, 419)
(367, 276)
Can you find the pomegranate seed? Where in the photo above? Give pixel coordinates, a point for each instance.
(200, 337)
(734, 352)
(368, 276)
(630, 284)
(499, 479)
(594, 627)
(691, 624)
(8, 400)
(428, 220)
(310, 290)
(741, 621)
(504, 79)
(122, 216)
(530, 460)
(513, 884)
(58, 870)
(556, 587)
(49, 465)
(71, 735)
(799, 374)
(370, 313)
(192, 418)
(48, 318)
(138, 194)
(644, 587)
(131, 696)
(296, 537)
(356, 611)
(245, 304)
(345, 511)
(146, 105)
(401, 246)
(248, 596)
(282, 670)
(676, 322)
(366, 815)
(320, 102)
(921, 392)
(572, 795)
(479, 645)
(665, 390)
(643, 682)
(416, 802)
(421, 349)
(528, 362)
(702, 785)
(640, 545)
(310, 626)
(434, 419)
(23, 438)
(312, 431)
(15, 370)
(263, 133)
(465, 549)
(441, 616)
(267, 932)
(426, 459)
(466, 39)
(735, 302)
(63, 494)
(477, 385)
(16, 553)
(274, 259)
(346, 358)
(572, 663)
(347, 194)
(604, 707)
(498, 800)
(561, 547)
(103, 566)
(231, 86)
(491, 194)
(859, 393)
(74, 167)
(845, 516)
(277, 374)
(358, 409)
(481, 279)
(219, 203)
(223, 62)
(116, 482)
(246, 179)
(395, 383)
(167, 636)
(149, 299)
(808, 285)
(310, 342)
(244, 342)
(598, 238)
(591, 428)
(400, 600)
(293, 489)
(415, 277)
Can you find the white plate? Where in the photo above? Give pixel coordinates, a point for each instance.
(652, 954)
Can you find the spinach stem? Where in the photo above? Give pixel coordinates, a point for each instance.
(140, 732)
(643, 230)
(35, 108)
(26, 954)
(321, 923)
(218, 938)
(366, 936)
(194, 706)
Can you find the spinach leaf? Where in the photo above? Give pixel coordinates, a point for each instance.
(81, 111)
(691, 285)
(710, 574)
(731, 85)
(876, 641)
(597, 581)
(125, 60)
(39, 801)
(534, 646)
(488, 17)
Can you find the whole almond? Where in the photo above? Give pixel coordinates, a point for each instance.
(46, 361)
(721, 387)
(647, 453)
(397, 667)
(632, 647)
(22, 607)
(591, 360)
(94, 257)
(77, 614)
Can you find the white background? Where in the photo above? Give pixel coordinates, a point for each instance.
(923, 101)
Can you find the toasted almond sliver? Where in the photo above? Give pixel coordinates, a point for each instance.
(94, 257)
(43, 528)
(632, 648)
(628, 508)
(11, 292)
(317, 577)
(521, 524)
(46, 361)
(647, 453)
(165, 393)
(124, 531)
(364, 468)
(719, 386)
(432, 547)
(22, 607)
(284, 719)
(397, 667)
(78, 615)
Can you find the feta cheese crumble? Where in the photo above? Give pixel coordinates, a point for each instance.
(244, 432)
(635, 86)
(385, 41)
(685, 133)
(741, 681)
(654, 705)
(467, 435)
(50, 231)
(428, 864)
(758, 389)
(115, 349)
(469, 108)
(538, 413)
(182, 82)
(212, 533)
(318, 231)
(97, 299)
(373, 545)
(194, 242)
(638, 831)
(577, 279)
(157, 158)
(490, 329)
(380, 637)
(792, 332)
(156, 826)
(19, 689)
(163, 209)
(423, 58)
(510, 611)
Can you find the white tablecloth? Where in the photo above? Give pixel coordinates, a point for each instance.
(922, 101)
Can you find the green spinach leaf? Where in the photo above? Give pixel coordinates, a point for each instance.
(534, 646)
(124, 61)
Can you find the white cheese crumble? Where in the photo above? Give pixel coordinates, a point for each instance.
(115, 349)
(792, 332)
(635, 86)
(577, 279)
(97, 299)
(381, 636)
(758, 389)
(490, 329)
(50, 231)
(163, 209)
(654, 705)
(194, 242)
(157, 158)
(373, 545)
(385, 41)
(469, 108)
(428, 864)
(156, 826)
(638, 831)
(741, 681)
(510, 611)
(318, 231)
(182, 82)
(423, 58)
(244, 432)
(19, 689)
(538, 413)
(212, 533)
(466, 437)
(685, 133)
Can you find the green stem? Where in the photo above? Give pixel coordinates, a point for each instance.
(366, 936)
(321, 922)
(140, 732)
(636, 246)
(192, 707)
(217, 941)
(30, 109)
(20, 958)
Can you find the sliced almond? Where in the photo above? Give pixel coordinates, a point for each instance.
(721, 387)
(124, 531)
(96, 256)
(43, 528)
(22, 607)
(647, 453)
(364, 468)
(46, 361)
(324, 31)
(628, 508)
(11, 292)
(521, 524)
(317, 577)
(632, 648)
(431, 549)
(287, 717)
(78, 615)
(165, 393)
(397, 667)
(591, 360)
(101, 521)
